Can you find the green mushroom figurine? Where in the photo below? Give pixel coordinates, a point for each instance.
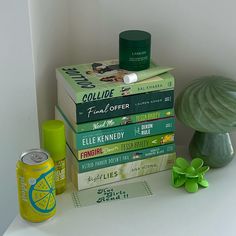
(189, 175)
(208, 105)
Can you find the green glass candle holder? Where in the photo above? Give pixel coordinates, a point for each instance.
(208, 105)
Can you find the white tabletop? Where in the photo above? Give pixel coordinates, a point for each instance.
(168, 212)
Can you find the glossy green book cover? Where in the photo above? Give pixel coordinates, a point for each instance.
(104, 79)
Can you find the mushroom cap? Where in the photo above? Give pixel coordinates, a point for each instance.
(208, 104)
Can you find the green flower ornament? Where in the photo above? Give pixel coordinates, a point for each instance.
(190, 175)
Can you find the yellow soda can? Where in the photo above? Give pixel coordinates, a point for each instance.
(36, 185)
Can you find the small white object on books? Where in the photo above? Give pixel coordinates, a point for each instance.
(130, 78)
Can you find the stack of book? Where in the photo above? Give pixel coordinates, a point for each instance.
(115, 131)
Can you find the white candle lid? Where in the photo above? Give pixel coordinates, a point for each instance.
(131, 78)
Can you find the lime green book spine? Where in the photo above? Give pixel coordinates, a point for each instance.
(131, 145)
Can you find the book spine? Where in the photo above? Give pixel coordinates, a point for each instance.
(123, 120)
(123, 133)
(135, 88)
(123, 106)
(124, 171)
(107, 161)
(131, 145)
(163, 82)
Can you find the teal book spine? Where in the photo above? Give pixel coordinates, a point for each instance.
(123, 106)
(96, 138)
(122, 120)
(124, 133)
(107, 161)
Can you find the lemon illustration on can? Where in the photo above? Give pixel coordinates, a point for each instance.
(42, 193)
(36, 185)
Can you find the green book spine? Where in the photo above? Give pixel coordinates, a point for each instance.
(118, 134)
(107, 161)
(123, 133)
(104, 79)
(121, 172)
(122, 120)
(120, 106)
(131, 145)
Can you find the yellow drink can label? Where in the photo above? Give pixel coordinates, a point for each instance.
(36, 186)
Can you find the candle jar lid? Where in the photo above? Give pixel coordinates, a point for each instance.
(137, 38)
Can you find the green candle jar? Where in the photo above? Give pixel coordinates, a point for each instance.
(134, 50)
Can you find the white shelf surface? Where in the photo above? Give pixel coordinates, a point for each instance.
(169, 211)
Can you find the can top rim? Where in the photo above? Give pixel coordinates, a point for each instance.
(34, 156)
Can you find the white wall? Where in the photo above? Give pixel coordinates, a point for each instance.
(196, 37)
(50, 33)
(19, 125)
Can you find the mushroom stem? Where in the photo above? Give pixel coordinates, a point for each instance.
(215, 149)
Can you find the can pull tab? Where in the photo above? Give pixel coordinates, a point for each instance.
(36, 157)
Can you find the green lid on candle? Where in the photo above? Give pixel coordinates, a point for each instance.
(53, 139)
(135, 37)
